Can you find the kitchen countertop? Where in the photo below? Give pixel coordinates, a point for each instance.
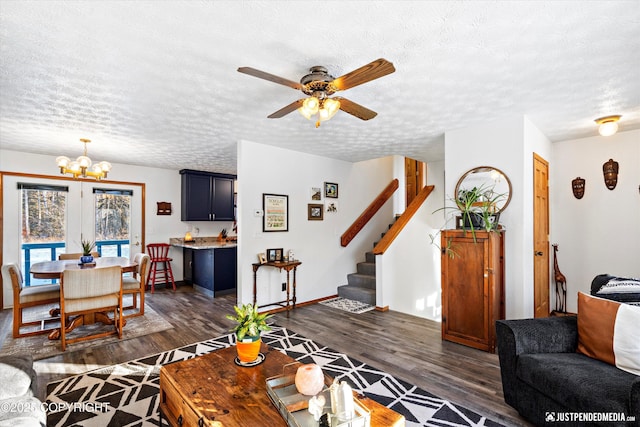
(202, 243)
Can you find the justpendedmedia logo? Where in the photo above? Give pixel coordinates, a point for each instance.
(560, 417)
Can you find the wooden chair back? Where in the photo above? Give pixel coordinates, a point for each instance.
(12, 273)
(76, 255)
(143, 261)
(25, 297)
(91, 290)
(158, 251)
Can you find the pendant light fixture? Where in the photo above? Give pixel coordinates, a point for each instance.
(80, 166)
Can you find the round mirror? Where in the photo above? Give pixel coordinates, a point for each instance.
(489, 179)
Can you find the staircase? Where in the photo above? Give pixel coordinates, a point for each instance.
(361, 285)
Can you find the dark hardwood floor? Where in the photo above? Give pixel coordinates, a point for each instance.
(406, 346)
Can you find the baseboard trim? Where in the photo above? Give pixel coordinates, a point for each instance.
(301, 304)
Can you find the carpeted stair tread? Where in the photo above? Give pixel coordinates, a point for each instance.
(368, 268)
(364, 280)
(370, 257)
(358, 293)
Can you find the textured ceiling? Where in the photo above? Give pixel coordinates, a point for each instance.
(155, 82)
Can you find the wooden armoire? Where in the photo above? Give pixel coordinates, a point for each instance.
(472, 287)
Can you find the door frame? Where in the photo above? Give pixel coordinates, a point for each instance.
(544, 280)
(420, 179)
(3, 174)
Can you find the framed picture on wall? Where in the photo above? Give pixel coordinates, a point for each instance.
(316, 193)
(315, 212)
(276, 212)
(331, 190)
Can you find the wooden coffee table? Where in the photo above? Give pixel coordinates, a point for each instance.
(211, 390)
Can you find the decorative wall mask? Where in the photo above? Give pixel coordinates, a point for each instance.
(610, 171)
(578, 187)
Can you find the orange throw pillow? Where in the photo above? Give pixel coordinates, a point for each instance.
(608, 331)
(596, 324)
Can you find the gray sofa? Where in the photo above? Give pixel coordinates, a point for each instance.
(18, 405)
(544, 378)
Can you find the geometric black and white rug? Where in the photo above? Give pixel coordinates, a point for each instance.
(127, 394)
(344, 304)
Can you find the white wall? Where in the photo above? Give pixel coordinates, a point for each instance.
(408, 273)
(599, 233)
(325, 264)
(507, 144)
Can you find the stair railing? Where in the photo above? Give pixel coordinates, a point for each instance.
(402, 221)
(368, 213)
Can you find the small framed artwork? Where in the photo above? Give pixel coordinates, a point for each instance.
(276, 212)
(331, 190)
(331, 206)
(315, 212)
(262, 258)
(274, 255)
(316, 193)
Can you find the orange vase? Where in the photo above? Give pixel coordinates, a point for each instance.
(248, 351)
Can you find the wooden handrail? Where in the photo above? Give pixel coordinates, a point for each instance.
(368, 213)
(397, 226)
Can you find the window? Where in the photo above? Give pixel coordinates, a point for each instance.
(43, 225)
(112, 221)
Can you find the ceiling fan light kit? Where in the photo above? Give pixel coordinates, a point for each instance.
(608, 125)
(319, 85)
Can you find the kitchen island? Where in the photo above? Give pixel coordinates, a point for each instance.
(209, 265)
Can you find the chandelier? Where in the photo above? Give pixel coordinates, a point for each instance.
(81, 165)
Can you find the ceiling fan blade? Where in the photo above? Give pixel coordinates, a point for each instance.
(374, 70)
(355, 109)
(286, 110)
(271, 77)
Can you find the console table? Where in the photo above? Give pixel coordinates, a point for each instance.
(288, 266)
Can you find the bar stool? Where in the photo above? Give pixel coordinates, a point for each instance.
(160, 265)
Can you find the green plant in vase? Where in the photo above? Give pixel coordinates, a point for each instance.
(87, 248)
(478, 206)
(249, 325)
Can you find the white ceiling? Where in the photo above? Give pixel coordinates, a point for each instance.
(155, 82)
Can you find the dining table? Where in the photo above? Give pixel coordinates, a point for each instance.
(55, 269)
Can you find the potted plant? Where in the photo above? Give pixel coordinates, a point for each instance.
(478, 208)
(249, 325)
(87, 247)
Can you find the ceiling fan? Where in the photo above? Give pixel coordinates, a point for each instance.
(320, 85)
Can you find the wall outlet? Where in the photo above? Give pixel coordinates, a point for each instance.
(284, 286)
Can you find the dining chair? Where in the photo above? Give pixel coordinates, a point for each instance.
(28, 296)
(160, 265)
(137, 284)
(76, 255)
(85, 292)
